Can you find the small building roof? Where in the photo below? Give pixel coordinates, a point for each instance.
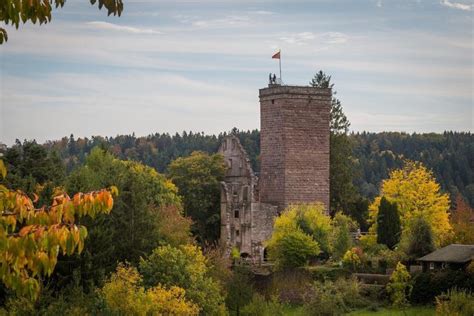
(453, 253)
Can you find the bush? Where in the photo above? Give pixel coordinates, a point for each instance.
(400, 286)
(124, 294)
(427, 285)
(375, 293)
(341, 239)
(260, 307)
(419, 238)
(293, 249)
(334, 298)
(455, 302)
(470, 268)
(353, 258)
(185, 267)
(299, 235)
(291, 286)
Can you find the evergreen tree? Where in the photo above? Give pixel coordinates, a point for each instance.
(420, 238)
(388, 224)
(342, 191)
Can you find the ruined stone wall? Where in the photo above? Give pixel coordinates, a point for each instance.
(294, 145)
(263, 217)
(237, 195)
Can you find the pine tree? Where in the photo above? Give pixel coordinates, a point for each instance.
(388, 224)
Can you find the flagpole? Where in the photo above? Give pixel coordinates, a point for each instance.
(280, 65)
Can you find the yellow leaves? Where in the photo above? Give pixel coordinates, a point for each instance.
(417, 194)
(32, 252)
(114, 190)
(3, 169)
(123, 295)
(25, 230)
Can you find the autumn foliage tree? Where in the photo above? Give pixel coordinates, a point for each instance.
(147, 213)
(300, 233)
(31, 238)
(417, 194)
(15, 12)
(124, 294)
(461, 220)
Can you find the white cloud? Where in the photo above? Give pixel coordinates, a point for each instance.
(298, 38)
(457, 5)
(262, 12)
(121, 28)
(379, 4)
(327, 38)
(228, 21)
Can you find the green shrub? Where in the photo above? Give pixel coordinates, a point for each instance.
(291, 286)
(455, 302)
(341, 239)
(72, 300)
(427, 285)
(334, 298)
(260, 307)
(353, 258)
(400, 286)
(374, 293)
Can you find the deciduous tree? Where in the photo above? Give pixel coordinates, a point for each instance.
(145, 213)
(186, 267)
(417, 194)
(301, 232)
(15, 12)
(31, 238)
(461, 220)
(198, 179)
(124, 294)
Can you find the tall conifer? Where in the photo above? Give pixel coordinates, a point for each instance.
(388, 224)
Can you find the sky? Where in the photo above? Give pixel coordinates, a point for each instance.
(172, 65)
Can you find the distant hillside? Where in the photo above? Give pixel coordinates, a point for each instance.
(450, 155)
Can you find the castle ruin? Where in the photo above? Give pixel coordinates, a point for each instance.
(294, 158)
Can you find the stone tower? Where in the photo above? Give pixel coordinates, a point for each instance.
(294, 157)
(294, 140)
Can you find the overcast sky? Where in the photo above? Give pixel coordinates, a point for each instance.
(169, 66)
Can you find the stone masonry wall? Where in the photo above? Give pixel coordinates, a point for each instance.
(294, 145)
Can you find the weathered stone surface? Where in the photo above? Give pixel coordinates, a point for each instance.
(294, 142)
(294, 155)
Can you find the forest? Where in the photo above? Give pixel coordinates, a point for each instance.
(448, 155)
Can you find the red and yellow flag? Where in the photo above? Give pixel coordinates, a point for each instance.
(276, 55)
